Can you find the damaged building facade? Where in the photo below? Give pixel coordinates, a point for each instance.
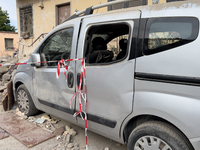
(36, 18)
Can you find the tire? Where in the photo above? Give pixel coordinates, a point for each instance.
(25, 102)
(156, 135)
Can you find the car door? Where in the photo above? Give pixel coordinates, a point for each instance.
(52, 94)
(110, 84)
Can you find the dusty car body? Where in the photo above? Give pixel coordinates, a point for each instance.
(149, 95)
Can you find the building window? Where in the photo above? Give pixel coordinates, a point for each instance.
(155, 1)
(173, 0)
(127, 4)
(8, 44)
(26, 21)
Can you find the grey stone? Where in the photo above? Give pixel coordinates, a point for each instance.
(76, 145)
(4, 60)
(72, 132)
(75, 148)
(3, 69)
(67, 128)
(70, 145)
(82, 148)
(24, 117)
(4, 83)
(93, 148)
(106, 148)
(6, 77)
(68, 138)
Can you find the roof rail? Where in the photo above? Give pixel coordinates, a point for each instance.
(90, 10)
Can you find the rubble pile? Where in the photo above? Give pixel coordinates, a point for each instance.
(63, 134)
(6, 74)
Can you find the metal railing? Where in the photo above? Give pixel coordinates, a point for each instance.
(39, 38)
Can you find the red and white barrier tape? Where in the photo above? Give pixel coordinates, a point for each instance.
(82, 96)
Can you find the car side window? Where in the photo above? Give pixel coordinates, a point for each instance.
(57, 47)
(166, 33)
(107, 43)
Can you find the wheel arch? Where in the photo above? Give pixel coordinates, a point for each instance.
(137, 120)
(17, 84)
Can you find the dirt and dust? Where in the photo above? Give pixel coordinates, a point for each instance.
(71, 139)
(77, 140)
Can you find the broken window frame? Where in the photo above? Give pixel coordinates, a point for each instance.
(56, 53)
(89, 37)
(26, 25)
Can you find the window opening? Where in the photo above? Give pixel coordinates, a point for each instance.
(103, 43)
(26, 21)
(57, 47)
(8, 44)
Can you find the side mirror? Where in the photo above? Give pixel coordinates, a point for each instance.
(35, 58)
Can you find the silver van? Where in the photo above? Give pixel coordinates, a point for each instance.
(142, 74)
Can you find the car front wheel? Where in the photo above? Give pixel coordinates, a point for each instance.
(156, 135)
(25, 102)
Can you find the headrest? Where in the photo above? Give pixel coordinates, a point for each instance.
(98, 43)
(123, 44)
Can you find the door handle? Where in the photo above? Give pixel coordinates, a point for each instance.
(78, 80)
(70, 79)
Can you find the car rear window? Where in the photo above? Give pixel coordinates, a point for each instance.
(166, 33)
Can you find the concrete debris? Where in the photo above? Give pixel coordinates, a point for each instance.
(70, 145)
(40, 120)
(24, 117)
(75, 148)
(4, 60)
(106, 148)
(54, 121)
(46, 117)
(71, 132)
(3, 69)
(49, 126)
(76, 145)
(31, 119)
(67, 128)
(68, 138)
(93, 148)
(6, 77)
(82, 148)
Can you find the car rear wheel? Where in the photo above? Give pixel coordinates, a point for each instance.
(25, 102)
(155, 135)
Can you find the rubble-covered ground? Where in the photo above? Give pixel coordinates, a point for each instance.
(68, 136)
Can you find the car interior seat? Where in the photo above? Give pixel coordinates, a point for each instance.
(123, 46)
(99, 52)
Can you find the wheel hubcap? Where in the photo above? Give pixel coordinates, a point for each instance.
(22, 100)
(151, 143)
